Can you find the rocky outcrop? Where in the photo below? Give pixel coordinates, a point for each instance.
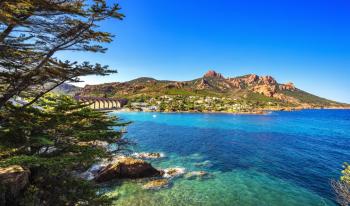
(288, 86)
(267, 80)
(174, 172)
(203, 84)
(212, 73)
(127, 167)
(13, 180)
(266, 90)
(236, 83)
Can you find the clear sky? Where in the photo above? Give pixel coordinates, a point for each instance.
(303, 41)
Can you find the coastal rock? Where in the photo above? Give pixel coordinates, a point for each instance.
(92, 172)
(196, 174)
(156, 184)
(13, 180)
(173, 172)
(148, 155)
(127, 167)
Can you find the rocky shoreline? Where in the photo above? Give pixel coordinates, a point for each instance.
(135, 166)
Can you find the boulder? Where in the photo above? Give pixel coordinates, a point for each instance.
(174, 172)
(13, 180)
(127, 167)
(156, 184)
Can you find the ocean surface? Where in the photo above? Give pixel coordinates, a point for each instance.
(282, 158)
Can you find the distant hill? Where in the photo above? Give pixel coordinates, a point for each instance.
(250, 87)
(67, 89)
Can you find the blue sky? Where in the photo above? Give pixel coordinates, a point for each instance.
(306, 42)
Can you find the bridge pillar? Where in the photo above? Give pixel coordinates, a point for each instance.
(114, 104)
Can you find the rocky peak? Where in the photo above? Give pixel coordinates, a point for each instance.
(212, 73)
(251, 78)
(267, 80)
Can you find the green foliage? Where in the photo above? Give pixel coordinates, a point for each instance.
(33, 31)
(48, 137)
(309, 98)
(346, 174)
(62, 123)
(341, 187)
(57, 120)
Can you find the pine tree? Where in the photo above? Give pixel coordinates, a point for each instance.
(33, 31)
(53, 136)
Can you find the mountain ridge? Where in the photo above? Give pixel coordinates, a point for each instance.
(251, 87)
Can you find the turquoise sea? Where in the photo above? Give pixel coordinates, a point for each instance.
(282, 158)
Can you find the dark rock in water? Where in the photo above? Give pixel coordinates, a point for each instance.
(127, 167)
(13, 180)
(206, 163)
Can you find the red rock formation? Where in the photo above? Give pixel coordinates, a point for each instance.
(203, 84)
(236, 83)
(212, 73)
(267, 80)
(251, 79)
(288, 86)
(264, 89)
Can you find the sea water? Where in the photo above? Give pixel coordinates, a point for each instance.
(281, 158)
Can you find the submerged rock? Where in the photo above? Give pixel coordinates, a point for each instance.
(13, 180)
(148, 155)
(127, 167)
(206, 163)
(156, 184)
(174, 172)
(197, 174)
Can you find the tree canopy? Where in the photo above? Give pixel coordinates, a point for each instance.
(33, 31)
(53, 136)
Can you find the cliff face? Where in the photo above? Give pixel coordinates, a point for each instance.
(211, 83)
